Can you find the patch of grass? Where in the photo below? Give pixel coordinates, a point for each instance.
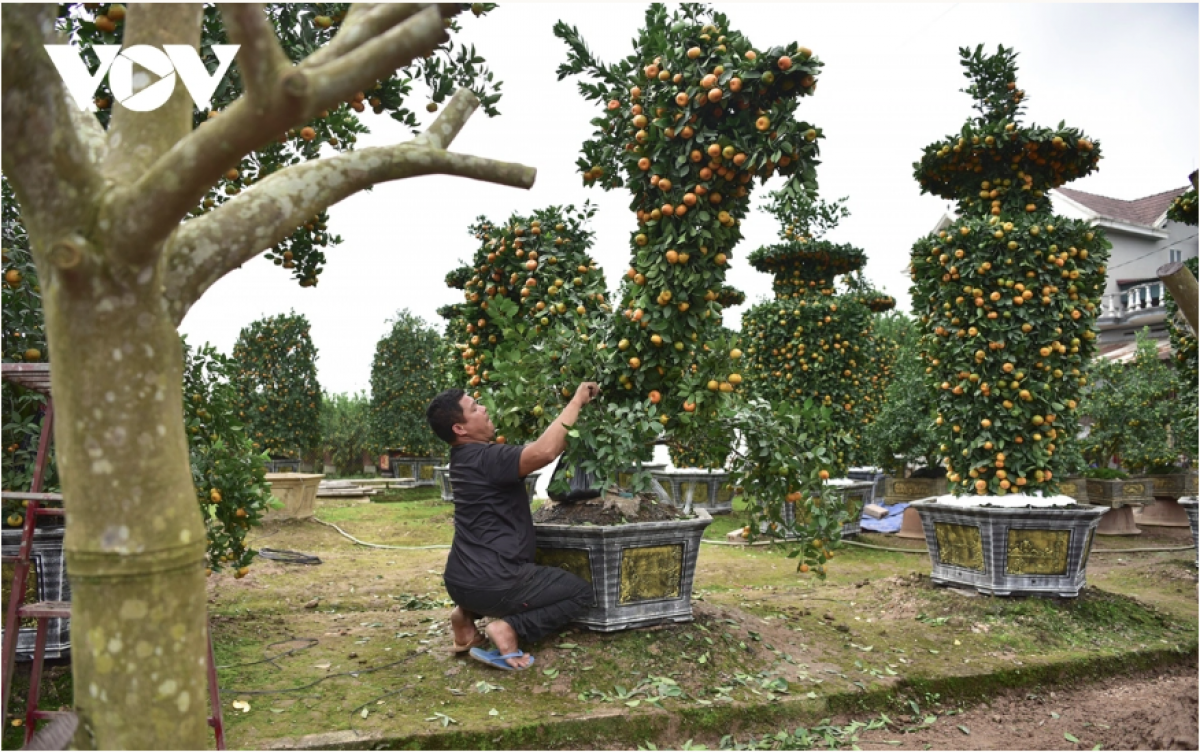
(57, 692)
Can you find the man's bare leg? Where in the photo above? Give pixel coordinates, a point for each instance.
(505, 639)
(462, 622)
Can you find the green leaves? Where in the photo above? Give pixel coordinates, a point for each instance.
(407, 372)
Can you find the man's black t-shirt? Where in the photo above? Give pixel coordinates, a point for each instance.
(493, 529)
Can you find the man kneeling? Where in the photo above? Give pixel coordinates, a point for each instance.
(490, 570)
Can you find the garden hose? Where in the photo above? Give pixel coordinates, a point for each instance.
(379, 545)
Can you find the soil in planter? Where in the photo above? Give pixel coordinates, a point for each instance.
(610, 509)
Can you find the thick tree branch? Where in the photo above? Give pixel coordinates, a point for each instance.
(362, 24)
(209, 247)
(143, 137)
(445, 128)
(48, 155)
(181, 177)
(260, 60)
(341, 77)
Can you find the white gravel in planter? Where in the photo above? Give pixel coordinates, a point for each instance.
(1009, 500)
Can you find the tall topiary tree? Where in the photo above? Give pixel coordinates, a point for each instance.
(346, 431)
(278, 394)
(814, 341)
(1183, 339)
(402, 387)
(1008, 294)
(116, 286)
(691, 120)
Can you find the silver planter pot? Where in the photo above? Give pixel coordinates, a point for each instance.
(1010, 551)
(47, 582)
(419, 469)
(641, 573)
(1189, 504)
(692, 488)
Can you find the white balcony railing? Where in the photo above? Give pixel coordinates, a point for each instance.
(1136, 301)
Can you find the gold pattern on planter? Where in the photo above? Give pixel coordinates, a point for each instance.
(1072, 488)
(959, 545)
(577, 561)
(7, 573)
(725, 493)
(1087, 549)
(1038, 551)
(1133, 489)
(699, 492)
(426, 472)
(650, 573)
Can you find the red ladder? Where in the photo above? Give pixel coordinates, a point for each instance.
(36, 376)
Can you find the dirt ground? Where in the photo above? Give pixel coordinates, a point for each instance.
(1156, 710)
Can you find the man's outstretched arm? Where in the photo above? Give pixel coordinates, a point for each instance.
(553, 440)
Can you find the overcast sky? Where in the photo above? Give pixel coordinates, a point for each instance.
(1126, 74)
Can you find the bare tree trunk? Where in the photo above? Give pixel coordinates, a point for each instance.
(135, 541)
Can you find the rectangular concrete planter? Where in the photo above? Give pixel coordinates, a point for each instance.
(297, 491)
(692, 488)
(418, 468)
(47, 582)
(896, 490)
(641, 573)
(1120, 493)
(1175, 485)
(283, 465)
(1189, 504)
(1010, 551)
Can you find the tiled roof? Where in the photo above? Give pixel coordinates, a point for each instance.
(1141, 211)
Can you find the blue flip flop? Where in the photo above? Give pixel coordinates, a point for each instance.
(495, 660)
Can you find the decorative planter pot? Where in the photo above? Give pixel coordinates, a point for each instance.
(692, 488)
(1168, 489)
(47, 581)
(441, 478)
(625, 475)
(1010, 551)
(1120, 493)
(1075, 487)
(329, 470)
(283, 465)
(1118, 496)
(896, 490)
(641, 573)
(418, 468)
(297, 491)
(854, 496)
(1189, 504)
(1175, 485)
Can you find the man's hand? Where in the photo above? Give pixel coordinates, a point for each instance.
(586, 391)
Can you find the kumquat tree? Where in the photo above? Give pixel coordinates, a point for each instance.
(690, 121)
(1009, 293)
(131, 216)
(278, 394)
(541, 263)
(401, 388)
(814, 341)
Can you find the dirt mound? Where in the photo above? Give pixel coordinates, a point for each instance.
(610, 509)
